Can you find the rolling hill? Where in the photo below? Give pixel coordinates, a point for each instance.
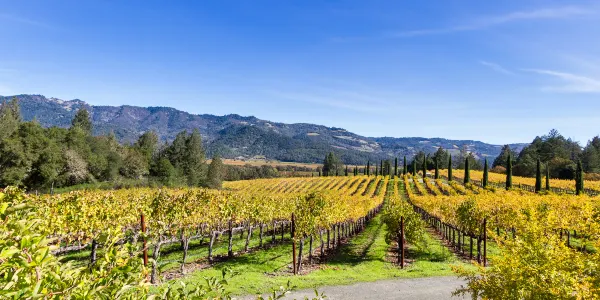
(235, 136)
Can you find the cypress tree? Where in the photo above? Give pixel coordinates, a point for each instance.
(485, 174)
(414, 167)
(404, 167)
(538, 176)
(368, 170)
(346, 172)
(381, 167)
(467, 178)
(437, 169)
(376, 170)
(449, 168)
(424, 166)
(547, 177)
(509, 172)
(395, 166)
(579, 179)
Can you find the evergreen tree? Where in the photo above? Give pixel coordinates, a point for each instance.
(215, 173)
(538, 177)
(194, 159)
(147, 145)
(414, 167)
(485, 174)
(381, 167)
(10, 118)
(467, 178)
(376, 170)
(441, 156)
(387, 168)
(82, 120)
(424, 168)
(547, 178)
(579, 179)
(165, 172)
(502, 159)
(450, 168)
(346, 172)
(332, 165)
(437, 169)
(509, 172)
(368, 169)
(176, 153)
(404, 166)
(395, 166)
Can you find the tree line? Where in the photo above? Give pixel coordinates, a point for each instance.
(41, 158)
(551, 154)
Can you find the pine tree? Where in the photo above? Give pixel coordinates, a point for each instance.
(485, 174)
(82, 120)
(194, 159)
(467, 178)
(509, 172)
(404, 167)
(449, 168)
(437, 169)
(547, 178)
(538, 176)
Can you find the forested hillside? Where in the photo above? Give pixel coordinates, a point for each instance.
(236, 136)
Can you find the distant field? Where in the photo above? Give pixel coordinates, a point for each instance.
(274, 163)
(262, 162)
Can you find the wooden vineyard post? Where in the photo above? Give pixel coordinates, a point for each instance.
(230, 246)
(401, 242)
(293, 232)
(145, 249)
(484, 242)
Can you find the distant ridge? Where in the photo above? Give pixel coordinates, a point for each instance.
(235, 136)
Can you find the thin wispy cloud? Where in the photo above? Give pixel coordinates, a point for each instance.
(489, 21)
(22, 20)
(569, 83)
(496, 67)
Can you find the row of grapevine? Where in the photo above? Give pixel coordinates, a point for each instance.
(77, 219)
(510, 211)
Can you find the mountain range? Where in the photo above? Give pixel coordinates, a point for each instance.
(235, 136)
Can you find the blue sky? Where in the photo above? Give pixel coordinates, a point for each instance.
(496, 71)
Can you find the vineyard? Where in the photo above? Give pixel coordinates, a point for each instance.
(314, 218)
(558, 185)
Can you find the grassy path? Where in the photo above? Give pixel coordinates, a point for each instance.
(362, 259)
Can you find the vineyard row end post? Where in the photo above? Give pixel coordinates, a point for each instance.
(293, 244)
(143, 225)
